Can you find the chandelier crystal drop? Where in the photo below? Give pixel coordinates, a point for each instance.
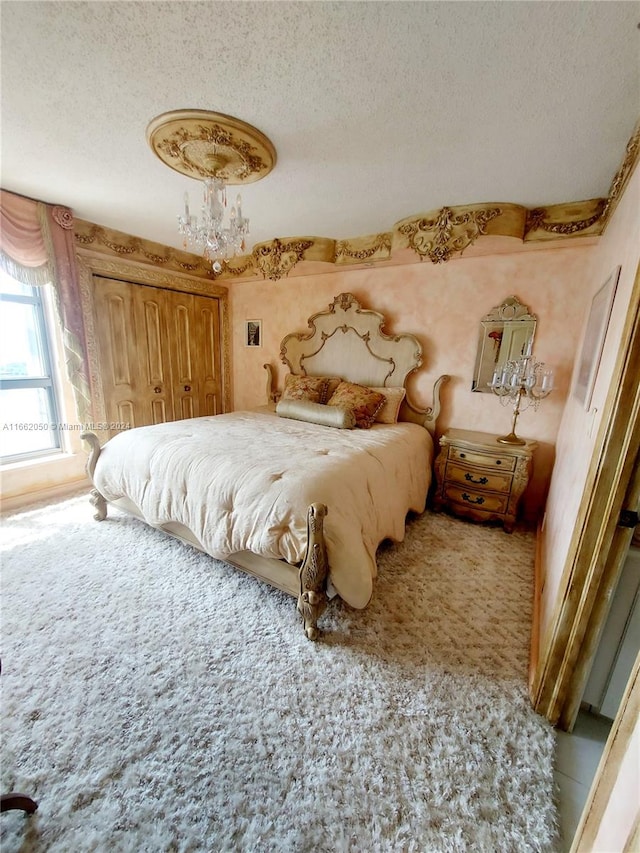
(209, 234)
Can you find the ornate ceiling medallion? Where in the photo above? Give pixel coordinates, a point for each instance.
(203, 144)
(447, 232)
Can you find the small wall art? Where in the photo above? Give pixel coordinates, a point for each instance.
(253, 333)
(593, 341)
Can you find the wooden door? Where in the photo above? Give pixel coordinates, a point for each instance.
(206, 352)
(194, 333)
(185, 380)
(131, 328)
(159, 352)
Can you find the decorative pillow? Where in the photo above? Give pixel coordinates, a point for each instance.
(364, 402)
(332, 384)
(311, 388)
(390, 410)
(316, 413)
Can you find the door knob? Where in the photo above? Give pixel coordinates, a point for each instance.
(157, 390)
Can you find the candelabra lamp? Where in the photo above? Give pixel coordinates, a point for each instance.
(521, 383)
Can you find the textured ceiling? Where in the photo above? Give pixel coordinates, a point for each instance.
(377, 110)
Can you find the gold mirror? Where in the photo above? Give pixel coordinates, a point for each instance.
(506, 333)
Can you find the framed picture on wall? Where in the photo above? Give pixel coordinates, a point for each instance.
(253, 333)
(593, 341)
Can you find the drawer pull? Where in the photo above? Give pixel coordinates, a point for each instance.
(480, 481)
(157, 390)
(187, 387)
(463, 456)
(470, 500)
(498, 461)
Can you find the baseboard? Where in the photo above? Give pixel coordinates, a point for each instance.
(538, 576)
(51, 493)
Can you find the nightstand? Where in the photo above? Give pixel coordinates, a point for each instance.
(481, 479)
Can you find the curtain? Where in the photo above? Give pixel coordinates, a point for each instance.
(37, 247)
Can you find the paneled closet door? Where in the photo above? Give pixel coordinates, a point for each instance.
(185, 370)
(132, 337)
(159, 350)
(207, 352)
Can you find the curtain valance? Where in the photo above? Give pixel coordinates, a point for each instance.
(37, 247)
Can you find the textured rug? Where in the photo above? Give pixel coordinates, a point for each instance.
(154, 699)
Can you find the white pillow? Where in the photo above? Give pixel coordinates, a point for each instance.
(316, 413)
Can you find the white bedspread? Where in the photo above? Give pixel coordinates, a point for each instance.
(243, 481)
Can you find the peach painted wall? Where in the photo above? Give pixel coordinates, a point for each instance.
(620, 245)
(442, 305)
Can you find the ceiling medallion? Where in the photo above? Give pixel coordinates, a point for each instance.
(219, 150)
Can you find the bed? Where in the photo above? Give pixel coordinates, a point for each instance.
(300, 491)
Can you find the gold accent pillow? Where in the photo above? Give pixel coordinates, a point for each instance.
(316, 413)
(363, 402)
(311, 388)
(390, 410)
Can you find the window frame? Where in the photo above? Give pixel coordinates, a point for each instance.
(47, 381)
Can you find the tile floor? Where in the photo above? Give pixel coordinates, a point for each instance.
(577, 757)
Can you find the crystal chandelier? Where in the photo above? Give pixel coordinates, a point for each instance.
(522, 383)
(220, 151)
(209, 234)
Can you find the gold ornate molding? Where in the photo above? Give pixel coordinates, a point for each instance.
(438, 235)
(450, 231)
(360, 250)
(564, 220)
(113, 243)
(278, 258)
(203, 144)
(621, 178)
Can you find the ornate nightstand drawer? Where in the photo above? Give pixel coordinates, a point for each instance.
(478, 478)
(472, 457)
(482, 501)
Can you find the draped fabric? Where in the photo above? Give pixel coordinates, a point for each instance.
(22, 249)
(37, 247)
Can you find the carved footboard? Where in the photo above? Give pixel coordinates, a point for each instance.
(313, 573)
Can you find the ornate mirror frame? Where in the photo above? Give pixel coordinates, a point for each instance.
(505, 333)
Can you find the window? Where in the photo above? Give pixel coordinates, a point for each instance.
(28, 407)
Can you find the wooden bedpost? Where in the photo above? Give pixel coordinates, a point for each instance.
(272, 390)
(95, 499)
(313, 572)
(424, 417)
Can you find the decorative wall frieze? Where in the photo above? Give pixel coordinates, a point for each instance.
(277, 258)
(448, 232)
(621, 178)
(438, 235)
(107, 241)
(359, 250)
(565, 220)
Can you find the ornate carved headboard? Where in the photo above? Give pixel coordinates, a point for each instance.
(348, 341)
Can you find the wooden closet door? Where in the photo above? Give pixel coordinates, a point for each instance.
(160, 352)
(194, 332)
(185, 375)
(131, 331)
(207, 348)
